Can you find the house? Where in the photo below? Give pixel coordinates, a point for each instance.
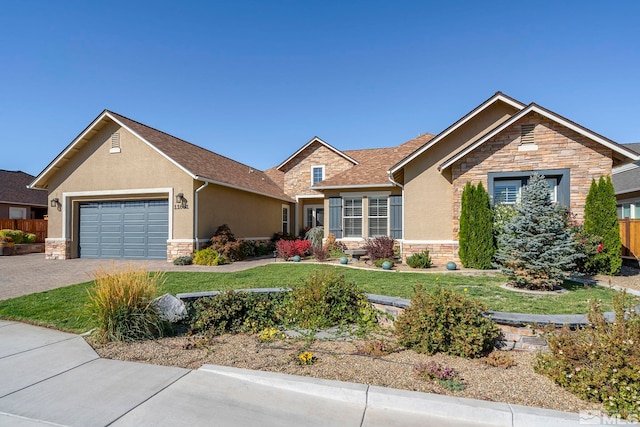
(17, 200)
(626, 181)
(124, 189)
(499, 143)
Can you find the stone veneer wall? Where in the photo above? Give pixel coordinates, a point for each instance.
(57, 248)
(440, 253)
(176, 249)
(558, 148)
(297, 178)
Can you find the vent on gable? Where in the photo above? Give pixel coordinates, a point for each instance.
(115, 143)
(527, 140)
(526, 134)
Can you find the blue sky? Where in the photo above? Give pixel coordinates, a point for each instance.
(255, 80)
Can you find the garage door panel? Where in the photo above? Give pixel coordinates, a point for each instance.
(127, 229)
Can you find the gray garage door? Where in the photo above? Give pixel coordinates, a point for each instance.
(127, 229)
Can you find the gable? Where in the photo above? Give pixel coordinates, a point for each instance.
(303, 153)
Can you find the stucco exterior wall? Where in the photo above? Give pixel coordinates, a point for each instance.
(248, 215)
(101, 175)
(297, 178)
(428, 192)
(557, 148)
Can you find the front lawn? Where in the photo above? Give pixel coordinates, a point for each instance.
(64, 308)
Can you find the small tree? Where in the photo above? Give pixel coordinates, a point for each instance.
(476, 228)
(601, 219)
(536, 246)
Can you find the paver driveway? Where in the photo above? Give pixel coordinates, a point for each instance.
(27, 274)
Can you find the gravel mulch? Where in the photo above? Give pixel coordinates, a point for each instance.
(345, 361)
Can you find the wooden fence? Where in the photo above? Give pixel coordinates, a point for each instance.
(35, 226)
(630, 236)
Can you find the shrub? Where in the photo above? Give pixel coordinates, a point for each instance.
(320, 253)
(336, 249)
(183, 260)
(377, 348)
(476, 235)
(601, 219)
(289, 248)
(326, 299)
(378, 263)
(233, 312)
(536, 247)
(29, 238)
(121, 304)
(315, 236)
(269, 334)
(16, 235)
(500, 359)
(379, 247)
(600, 362)
(447, 322)
(208, 256)
(587, 245)
(420, 260)
(446, 377)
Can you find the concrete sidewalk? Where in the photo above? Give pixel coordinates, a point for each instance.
(49, 378)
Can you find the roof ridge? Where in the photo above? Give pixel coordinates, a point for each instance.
(183, 140)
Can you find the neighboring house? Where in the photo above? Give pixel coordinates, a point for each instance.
(126, 190)
(17, 200)
(626, 181)
(116, 184)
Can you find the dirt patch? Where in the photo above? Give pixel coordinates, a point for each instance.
(344, 361)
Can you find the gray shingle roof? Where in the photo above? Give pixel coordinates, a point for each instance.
(13, 189)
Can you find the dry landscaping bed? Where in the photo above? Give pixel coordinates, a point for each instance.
(344, 361)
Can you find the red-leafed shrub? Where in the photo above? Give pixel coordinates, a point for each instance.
(380, 248)
(289, 248)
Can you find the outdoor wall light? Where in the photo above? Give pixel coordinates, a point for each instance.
(55, 203)
(179, 198)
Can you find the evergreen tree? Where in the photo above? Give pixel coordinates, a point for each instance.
(476, 228)
(601, 219)
(536, 246)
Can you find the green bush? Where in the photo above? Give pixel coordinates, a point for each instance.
(420, 260)
(29, 238)
(16, 235)
(121, 303)
(600, 362)
(446, 322)
(601, 219)
(183, 260)
(326, 299)
(233, 312)
(208, 256)
(476, 222)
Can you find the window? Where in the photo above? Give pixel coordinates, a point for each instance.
(17, 213)
(314, 216)
(285, 219)
(629, 210)
(317, 174)
(352, 217)
(506, 187)
(378, 216)
(507, 192)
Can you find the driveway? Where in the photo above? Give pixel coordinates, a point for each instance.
(30, 273)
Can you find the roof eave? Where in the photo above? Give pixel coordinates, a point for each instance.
(340, 187)
(498, 96)
(618, 148)
(236, 187)
(316, 139)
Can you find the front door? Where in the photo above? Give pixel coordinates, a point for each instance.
(314, 216)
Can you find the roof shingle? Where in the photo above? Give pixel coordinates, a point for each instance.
(13, 189)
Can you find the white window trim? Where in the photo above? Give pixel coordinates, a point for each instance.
(344, 217)
(316, 167)
(369, 216)
(508, 182)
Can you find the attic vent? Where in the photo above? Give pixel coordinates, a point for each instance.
(115, 143)
(526, 134)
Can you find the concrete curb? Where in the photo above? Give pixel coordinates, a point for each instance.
(376, 400)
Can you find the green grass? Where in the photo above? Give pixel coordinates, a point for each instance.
(65, 308)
